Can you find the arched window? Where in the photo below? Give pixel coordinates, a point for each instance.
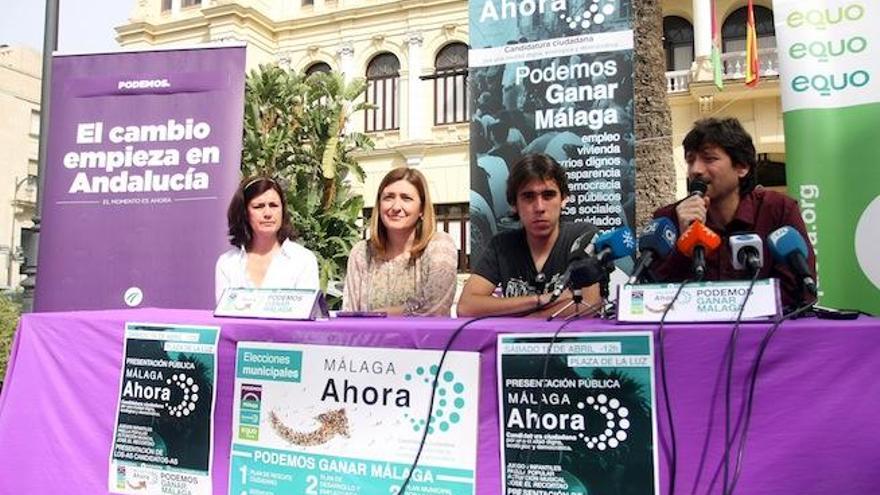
(318, 67)
(450, 84)
(678, 42)
(383, 73)
(733, 31)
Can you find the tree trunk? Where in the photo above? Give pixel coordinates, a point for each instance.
(655, 169)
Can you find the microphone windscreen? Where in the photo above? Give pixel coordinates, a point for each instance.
(620, 241)
(784, 241)
(578, 248)
(586, 272)
(698, 235)
(659, 237)
(697, 186)
(740, 245)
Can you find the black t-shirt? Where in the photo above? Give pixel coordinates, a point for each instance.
(508, 261)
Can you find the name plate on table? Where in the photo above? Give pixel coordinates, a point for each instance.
(284, 304)
(703, 301)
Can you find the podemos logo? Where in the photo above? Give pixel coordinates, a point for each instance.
(133, 296)
(143, 84)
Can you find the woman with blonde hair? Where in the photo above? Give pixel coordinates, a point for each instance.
(406, 267)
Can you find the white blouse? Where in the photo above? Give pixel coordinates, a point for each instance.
(292, 267)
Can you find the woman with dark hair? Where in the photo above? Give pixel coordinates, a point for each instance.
(406, 267)
(264, 254)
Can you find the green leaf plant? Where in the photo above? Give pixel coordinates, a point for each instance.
(295, 131)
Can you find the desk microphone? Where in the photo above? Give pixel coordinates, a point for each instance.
(580, 249)
(586, 259)
(747, 252)
(696, 242)
(788, 247)
(586, 272)
(656, 241)
(614, 244)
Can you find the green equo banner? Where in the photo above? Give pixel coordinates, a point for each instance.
(830, 64)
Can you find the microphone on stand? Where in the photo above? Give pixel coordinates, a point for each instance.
(614, 244)
(656, 241)
(579, 250)
(747, 252)
(696, 243)
(787, 246)
(586, 271)
(698, 240)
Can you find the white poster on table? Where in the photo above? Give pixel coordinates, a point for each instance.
(329, 420)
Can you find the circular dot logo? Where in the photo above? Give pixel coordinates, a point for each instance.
(594, 15)
(189, 395)
(866, 238)
(617, 423)
(448, 403)
(133, 297)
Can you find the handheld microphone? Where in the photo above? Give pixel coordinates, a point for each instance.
(787, 246)
(697, 187)
(656, 241)
(696, 242)
(747, 252)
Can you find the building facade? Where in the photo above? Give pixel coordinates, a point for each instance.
(687, 29)
(414, 56)
(20, 70)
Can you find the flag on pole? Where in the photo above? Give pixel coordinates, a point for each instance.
(716, 49)
(752, 67)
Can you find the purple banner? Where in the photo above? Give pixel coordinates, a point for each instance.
(144, 154)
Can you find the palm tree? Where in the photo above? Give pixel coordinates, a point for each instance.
(655, 174)
(295, 132)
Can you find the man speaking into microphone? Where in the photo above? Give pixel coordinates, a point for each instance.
(721, 154)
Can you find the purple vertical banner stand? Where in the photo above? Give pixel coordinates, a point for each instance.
(144, 155)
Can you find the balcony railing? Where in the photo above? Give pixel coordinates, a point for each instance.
(677, 81)
(735, 63)
(733, 67)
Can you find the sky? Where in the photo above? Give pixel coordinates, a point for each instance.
(83, 25)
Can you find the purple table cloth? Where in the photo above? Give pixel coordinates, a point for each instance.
(815, 427)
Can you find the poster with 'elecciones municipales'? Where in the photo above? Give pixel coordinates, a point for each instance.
(579, 419)
(310, 419)
(164, 422)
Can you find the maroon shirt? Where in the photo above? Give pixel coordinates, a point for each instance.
(760, 212)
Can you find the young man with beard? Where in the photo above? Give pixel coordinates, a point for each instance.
(721, 153)
(527, 262)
